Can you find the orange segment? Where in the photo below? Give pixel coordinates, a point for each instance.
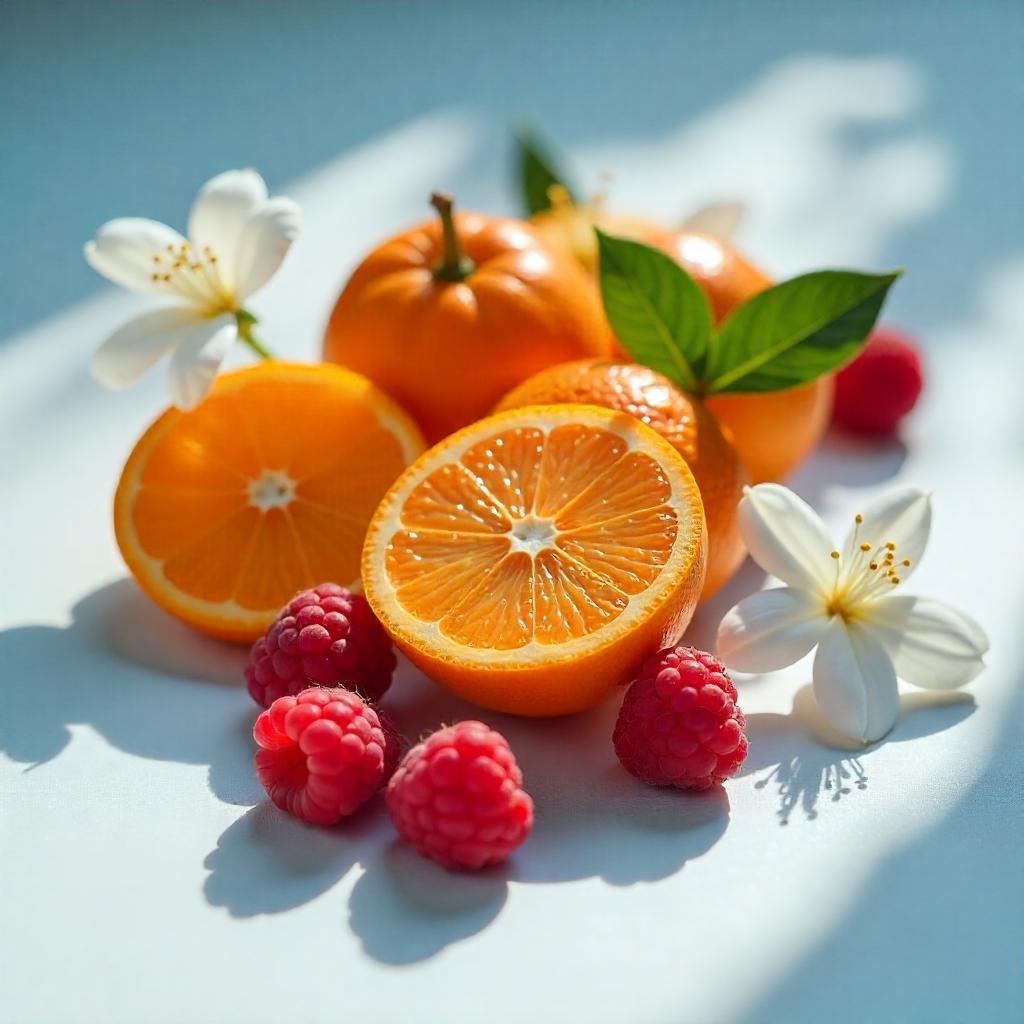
(452, 499)
(498, 612)
(224, 512)
(572, 601)
(532, 560)
(629, 550)
(573, 456)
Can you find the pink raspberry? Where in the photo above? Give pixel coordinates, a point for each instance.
(323, 753)
(326, 636)
(880, 386)
(457, 797)
(679, 724)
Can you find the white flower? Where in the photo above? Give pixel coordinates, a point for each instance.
(846, 602)
(237, 238)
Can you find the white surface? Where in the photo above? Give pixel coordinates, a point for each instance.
(143, 878)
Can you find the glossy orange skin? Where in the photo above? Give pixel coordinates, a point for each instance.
(772, 431)
(723, 274)
(775, 431)
(447, 351)
(681, 420)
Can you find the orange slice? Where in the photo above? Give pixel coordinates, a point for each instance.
(265, 488)
(531, 561)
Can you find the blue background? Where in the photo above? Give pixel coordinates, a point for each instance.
(111, 109)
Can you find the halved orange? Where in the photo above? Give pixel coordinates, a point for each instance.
(265, 488)
(531, 561)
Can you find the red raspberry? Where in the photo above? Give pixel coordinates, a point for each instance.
(880, 386)
(323, 753)
(457, 797)
(679, 724)
(328, 636)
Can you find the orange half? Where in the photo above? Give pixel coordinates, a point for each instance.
(224, 512)
(531, 561)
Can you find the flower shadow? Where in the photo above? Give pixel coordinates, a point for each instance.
(806, 761)
(148, 684)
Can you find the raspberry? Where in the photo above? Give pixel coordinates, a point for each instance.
(679, 724)
(323, 753)
(880, 386)
(457, 797)
(325, 636)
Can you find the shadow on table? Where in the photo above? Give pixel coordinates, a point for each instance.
(955, 890)
(592, 819)
(807, 761)
(148, 684)
(267, 862)
(843, 460)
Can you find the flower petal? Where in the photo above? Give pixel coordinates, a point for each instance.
(264, 243)
(721, 220)
(132, 349)
(123, 251)
(855, 682)
(219, 215)
(771, 629)
(931, 644)
(786, 537)
(197, 359)
(902, 517)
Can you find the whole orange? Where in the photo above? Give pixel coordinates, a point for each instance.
(450, 315)
(771, 431)
(774, 431)
(682, 420)
(725, 276)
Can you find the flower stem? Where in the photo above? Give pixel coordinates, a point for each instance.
(245, 321)
(454, 266)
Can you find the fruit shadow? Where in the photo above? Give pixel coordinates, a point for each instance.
(806, 761)
(146, 683)
(592, 819)
(844, 460)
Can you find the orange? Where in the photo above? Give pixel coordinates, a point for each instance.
(682, 420)
(772, 431)
(722, 273)
(450, 315)
(265, 488)
(530, 562)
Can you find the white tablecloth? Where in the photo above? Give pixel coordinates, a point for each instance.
(144, 878)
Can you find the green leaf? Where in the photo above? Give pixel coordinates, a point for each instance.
(796, 331)
(657, 311)
(537, 173)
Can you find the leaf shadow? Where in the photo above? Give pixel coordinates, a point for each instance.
(806, 761)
